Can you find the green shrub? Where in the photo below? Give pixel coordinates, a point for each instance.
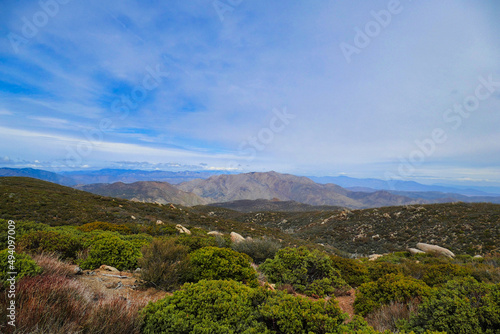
(460, 306)
(164, 264)
(231, 307)
(138, 240)
(22, 264)
(103, 226)
(352, 271)
(288, 314)
(193, 242)
(258, 249)
(309, 272)
(393, 287)
(213, 263)
(112, 251)
(437, 274)
(206, 307)
(395, 258)
(66, 245)
(378, 270)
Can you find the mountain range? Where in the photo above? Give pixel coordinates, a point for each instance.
(145, 191)
(270, 186)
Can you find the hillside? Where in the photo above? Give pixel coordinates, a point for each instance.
(52, 204)
(258, 205)
(286, 187)
(150, 192)
(38, 174)
(472, 228)
(462, 227)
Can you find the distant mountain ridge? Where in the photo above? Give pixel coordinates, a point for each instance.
(109, 175)
(38, 174)
(144, 191)
(371, 184)
(218, 188)
(287, 187)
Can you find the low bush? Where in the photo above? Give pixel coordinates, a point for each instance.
(288, 314)
(112, 251)
(352, 271)
(309, 272)
(103, 226)
(438, 274)
(258, 249)
(195, 242)
(67, 246)
(460, 306)
(390, 288)
(213, 263)
(20, 263)
(379, 269)
(232, 307)
(138, 240)
(205, 307)
(164, 264)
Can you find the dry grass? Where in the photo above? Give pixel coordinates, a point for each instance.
(388, 316)
(52, 265)
(55, 302)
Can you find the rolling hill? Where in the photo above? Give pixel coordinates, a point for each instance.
(149, 192)
(472, 228)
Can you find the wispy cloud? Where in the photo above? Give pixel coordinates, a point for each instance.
(89, 65)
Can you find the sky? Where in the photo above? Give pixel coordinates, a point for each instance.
(386, 89)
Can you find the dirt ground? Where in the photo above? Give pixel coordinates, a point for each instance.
(107, 284)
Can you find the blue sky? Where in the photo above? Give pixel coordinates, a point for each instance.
(386, 89)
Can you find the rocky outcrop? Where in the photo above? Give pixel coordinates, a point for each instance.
(414, 251)
(215, 233)
(374, 257)
(433, 249)
(236, 238)
(182, 229)
(108, 268)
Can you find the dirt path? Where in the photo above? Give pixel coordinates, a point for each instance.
(346, 303)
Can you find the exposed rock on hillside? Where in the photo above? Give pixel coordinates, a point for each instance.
(433, 249)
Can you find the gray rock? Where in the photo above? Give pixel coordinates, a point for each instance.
(108, 268)
(78, 271)
(433, 249)
(236, 238)
(414, 251)
(182, 229)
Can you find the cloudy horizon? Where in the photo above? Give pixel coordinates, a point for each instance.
(386, 89)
